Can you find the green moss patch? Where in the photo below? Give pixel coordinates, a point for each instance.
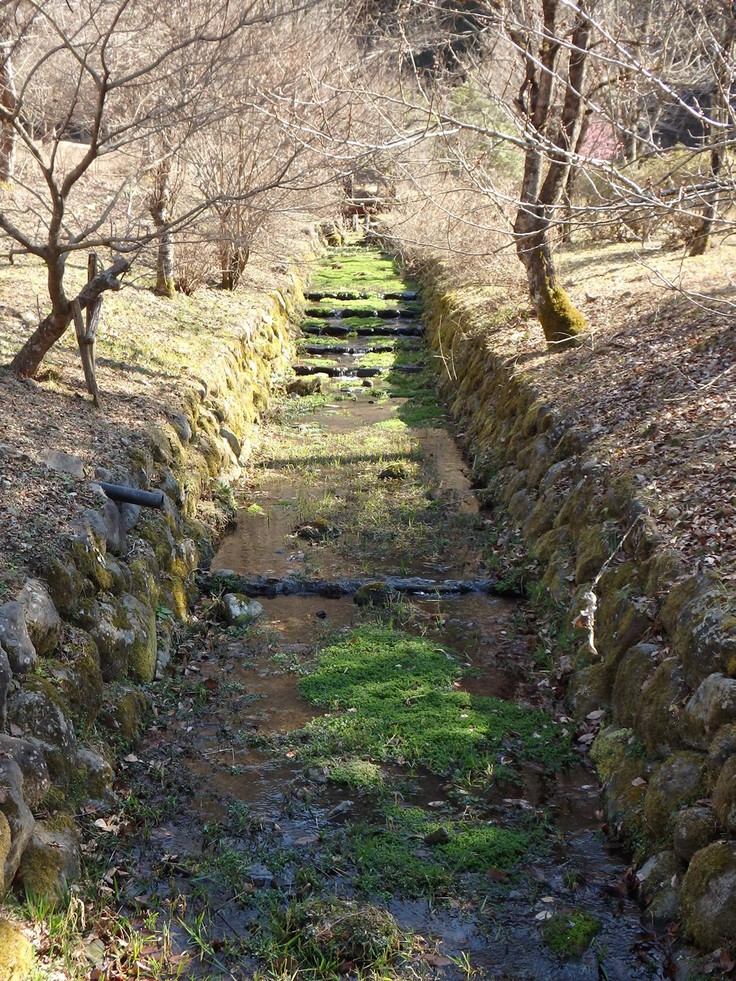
(394, 698)
(570, 934)
(369, 270)
(414, 853)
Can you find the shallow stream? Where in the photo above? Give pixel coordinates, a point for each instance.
(368, 486)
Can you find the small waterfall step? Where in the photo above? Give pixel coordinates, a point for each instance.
(334, 329)
(320, 349)
(389, 313)
(316, 297)
(350, 371)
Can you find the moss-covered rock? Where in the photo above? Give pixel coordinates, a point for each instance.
(5, 843)
(708, 896)
(702, 631)
(16, 953)
(51, 861)
(724, 796)
(125, 710)
(656, 713)
(589, 689)
(557, 540)
(37, 713)
(656, 889)
(142, 652)
(636, 667)
(712, 706)
(595, 543)
(623, 771)
(722, 748)
(678, 781)
(695, 827)
(375, 594)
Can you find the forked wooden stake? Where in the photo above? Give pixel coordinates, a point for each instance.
(86, 333)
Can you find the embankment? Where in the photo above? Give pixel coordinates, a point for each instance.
(652, 645)
(82, 638)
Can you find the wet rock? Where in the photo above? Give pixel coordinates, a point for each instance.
(16, 951)
(6, 676)
(339, 811)
(695, 827)
(657, 707)
(318, 530)
(50, 862)
(309, 385)
(713, 705)
(260, 876)
(679, 780)
(15, 639)
(724, 796)
(635, 669)
(30, 758)
(239, 610)
(375, 594)
(708, 895)
(42, 618)
(657, 891)
(20, 820)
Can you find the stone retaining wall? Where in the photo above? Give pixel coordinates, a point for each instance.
(662, 662)
(79, 640)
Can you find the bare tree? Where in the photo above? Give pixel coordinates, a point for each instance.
(97, 85)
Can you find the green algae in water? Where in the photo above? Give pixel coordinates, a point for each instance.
(394, 698)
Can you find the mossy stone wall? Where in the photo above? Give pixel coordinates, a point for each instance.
(664, 639)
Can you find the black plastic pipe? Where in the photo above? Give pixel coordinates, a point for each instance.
(131, 495)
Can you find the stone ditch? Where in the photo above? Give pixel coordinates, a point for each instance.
(655, 647)
(82, 638)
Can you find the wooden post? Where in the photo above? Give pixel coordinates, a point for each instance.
(86, 333)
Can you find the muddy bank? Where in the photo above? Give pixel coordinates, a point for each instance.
(651, 646)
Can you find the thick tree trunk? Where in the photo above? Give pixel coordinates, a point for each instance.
(8, 97)
(27, 361)
(559, 318)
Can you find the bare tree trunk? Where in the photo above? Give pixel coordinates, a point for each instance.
(720, 113)
(28, 359)
(159, 206)
(8, 97)
(560, 320)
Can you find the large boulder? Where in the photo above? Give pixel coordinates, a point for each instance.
(42, 721)
(18, 816)
(30, 758)
(712, 705)
(6, 676)
(678, 781)
(708, 896)
(42, 618)
(15, 639)
(695, 827)
(724, 796)
(50, 862)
